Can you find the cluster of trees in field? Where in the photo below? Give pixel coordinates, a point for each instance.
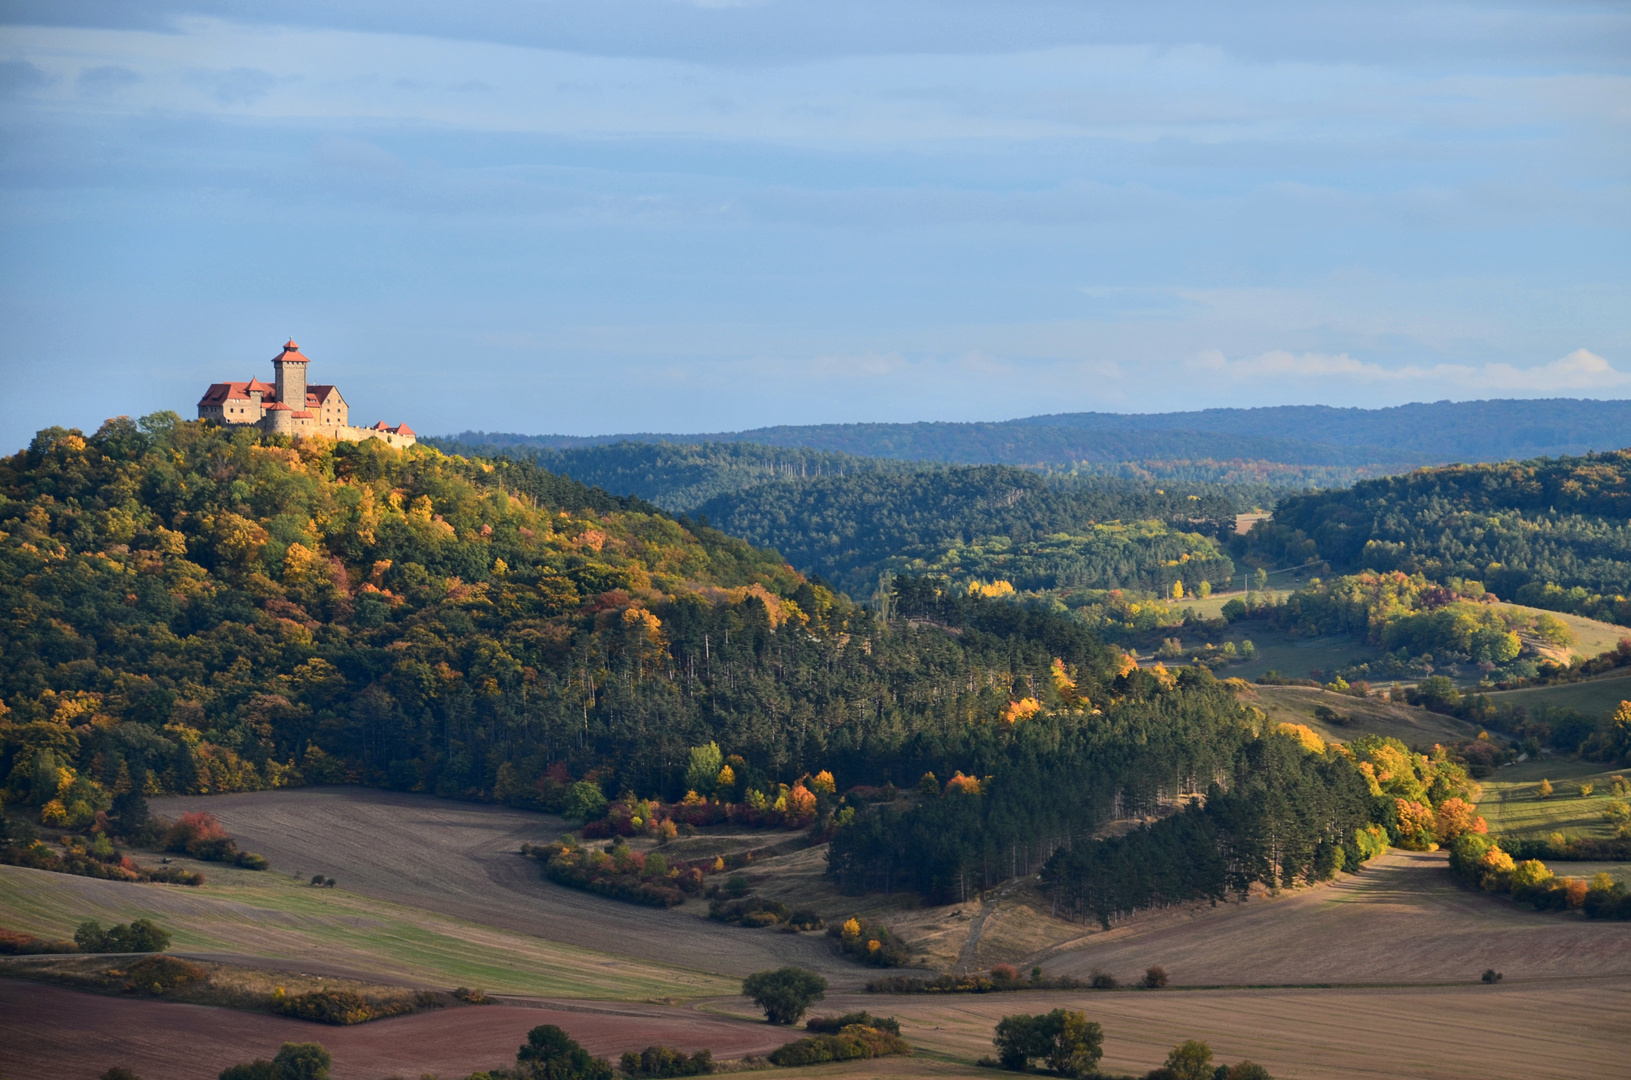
(1298, 810)
(139, 936)
(1482, 861)
(1551, 532)
(1065, 1042)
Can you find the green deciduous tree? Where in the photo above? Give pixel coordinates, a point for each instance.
(784, 994)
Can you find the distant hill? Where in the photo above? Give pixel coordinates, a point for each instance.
(1318, 436)
(1552, 533)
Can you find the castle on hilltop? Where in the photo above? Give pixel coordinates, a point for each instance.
(290, 406)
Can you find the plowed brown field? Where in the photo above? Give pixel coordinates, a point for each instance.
(47, 1031)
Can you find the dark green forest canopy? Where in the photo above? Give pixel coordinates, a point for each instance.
(848, 519)
(1518, 527)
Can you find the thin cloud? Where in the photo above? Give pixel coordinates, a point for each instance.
(1580, 370)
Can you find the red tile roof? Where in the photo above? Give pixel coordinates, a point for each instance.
(290, 354)
(278, 405)
(403, 429)
(319, 393)
(304, 414)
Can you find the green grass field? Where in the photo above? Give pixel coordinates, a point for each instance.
(270, 914)
(1598, 697)
(1592, 637)
(1513, 807)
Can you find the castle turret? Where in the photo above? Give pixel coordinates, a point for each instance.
(291, 376)
(279, 417)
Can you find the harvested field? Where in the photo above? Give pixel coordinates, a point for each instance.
(255, 917)
(1370, 715)
(1513, 1031)
(460, 859)
(69, 1035)
(1405, 919)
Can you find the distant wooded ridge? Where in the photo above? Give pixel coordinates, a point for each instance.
(1322, 436)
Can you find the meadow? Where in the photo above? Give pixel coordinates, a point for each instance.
(1598, 696)
(1512, 804)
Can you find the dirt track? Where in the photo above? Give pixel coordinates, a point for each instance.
(47, 1031)
(460, 859)
(1404, 919)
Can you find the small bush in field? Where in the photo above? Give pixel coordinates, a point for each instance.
(339, 1007)
(665, 1061)
(832, 1025)
(1156, 977)
(1492, 976)
(851, 1043)
(1103, 980)
(157, 974)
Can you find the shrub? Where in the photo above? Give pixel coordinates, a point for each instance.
(157, 974)
(17, 943)
(250, 861)
(141, 936)
(832, 1025)
(805, 919)
(870, 943)
(849, 1044)
(294, 1061)
(664, 1061)
(784, 994)
(1103, 980)
(1190, 1060)
(339, 1007)
(200, 835)
(1492, 976)
(1248, 1070)
(1156, 977)
(1067, 1041)
(584, 802)
(551, 1053)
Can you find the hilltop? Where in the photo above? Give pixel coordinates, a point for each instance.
(1326, 444)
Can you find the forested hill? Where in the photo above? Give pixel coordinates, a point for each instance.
(679, 477)
(1310, 436)
(848, 528)
(195, 609)
(1552, 532)
(848, 518)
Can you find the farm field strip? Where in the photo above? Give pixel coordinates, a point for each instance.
(267, 914)
(1514, 1033)
(461, 860)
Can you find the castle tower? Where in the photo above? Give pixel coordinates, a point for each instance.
(291, 376)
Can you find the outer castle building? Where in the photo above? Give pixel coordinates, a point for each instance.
(290, 406)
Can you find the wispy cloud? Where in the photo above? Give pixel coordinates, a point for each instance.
(1579, 371)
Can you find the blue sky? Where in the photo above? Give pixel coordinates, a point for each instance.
(655, 215)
